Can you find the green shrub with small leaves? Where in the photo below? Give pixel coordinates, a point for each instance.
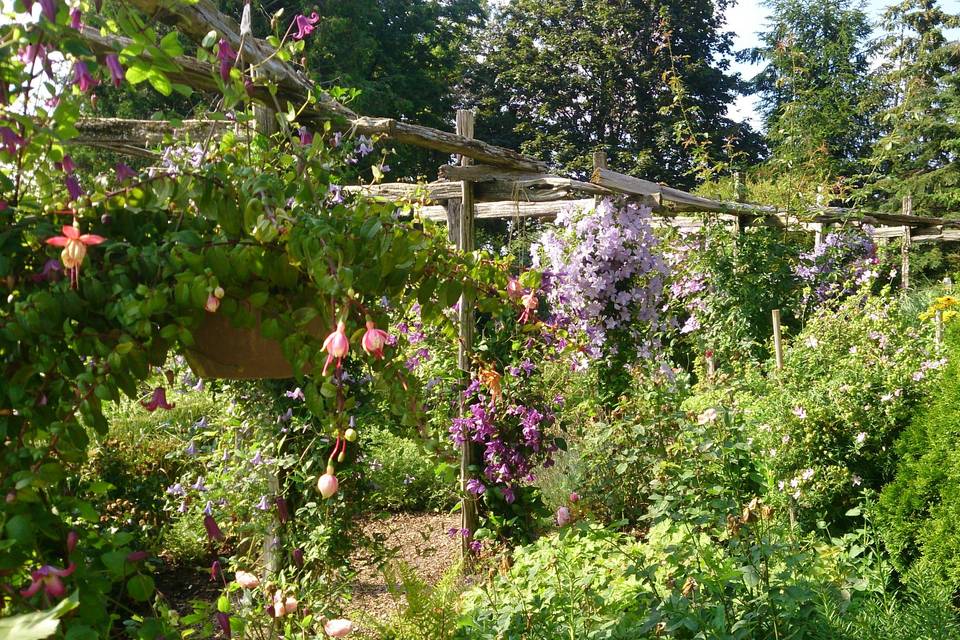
(825, 424)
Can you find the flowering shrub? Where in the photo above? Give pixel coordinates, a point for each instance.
(844, 261)
(723, 285)
(827, 422)
(604, 279)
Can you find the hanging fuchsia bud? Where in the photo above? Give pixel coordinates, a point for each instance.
(49, 9)
(306, 138)
(298, 557)
(224, 621)
(514, 289)
(116, 69)
(213, 303)
(72, 539)
(337, 345)
(213, 529)
(374, 340)
(283, 514)
(227, 57)
(67, 165)
(215, 571)
(82, 77)
(328, 483)
(75, 19)
(530, 303)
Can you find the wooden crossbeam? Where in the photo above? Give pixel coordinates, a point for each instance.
(510, 209)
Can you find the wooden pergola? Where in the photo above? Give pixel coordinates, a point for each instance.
(486, 181)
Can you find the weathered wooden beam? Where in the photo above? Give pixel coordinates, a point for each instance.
(140, 134)
(432, 192)
(498, 183)
(446, 142)
(509, 209)
(674, 198)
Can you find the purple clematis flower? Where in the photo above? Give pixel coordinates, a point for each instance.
(49, 9)
(51, 271)
(306, 138)
(305, 25)
(116, 69)
(263, 505)
(75, 19)
(296, 394)
(475, 487)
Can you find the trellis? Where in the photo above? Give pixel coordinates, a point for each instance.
(486, 182)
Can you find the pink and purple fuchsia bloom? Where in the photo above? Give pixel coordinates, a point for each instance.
(48, 578)
(304, 25)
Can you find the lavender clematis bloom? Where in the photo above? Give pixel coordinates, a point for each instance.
(305, 25)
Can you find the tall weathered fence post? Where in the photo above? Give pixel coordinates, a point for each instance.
(599, 162)
(777, 339)
(466, 240)
(906, 209)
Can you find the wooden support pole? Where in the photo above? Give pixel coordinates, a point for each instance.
(777, 339)
(466, 240)
(599, 162)
(907, 210)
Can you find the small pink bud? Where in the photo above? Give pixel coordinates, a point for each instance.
(563, 517)
(514, 288)
(298, 557)
(574, 497)
(137, 556)
(328, 485)
(337, 345)
(72, 538)
(213, 303)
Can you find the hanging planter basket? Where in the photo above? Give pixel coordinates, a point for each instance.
(222, 350)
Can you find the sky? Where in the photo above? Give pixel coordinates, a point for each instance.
(748, 17)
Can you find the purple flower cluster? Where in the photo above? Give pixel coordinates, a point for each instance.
(604, 277)
(845, 260)
(513, 441)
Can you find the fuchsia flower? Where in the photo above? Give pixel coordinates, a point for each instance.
(227, 57)
(305, 25)
(374, 340)
(12, 141)
(213, 303)
(74, 248)
(283, 513)
(75, 19)
(514, 289)
(328, 484)
(158, 401)
(574, 497)
(530, 303)
(82, 77)
(563, 516)
(247, 580)
(73, 187)
(298, 557)
(337, 345)
(215, 571)
(49, 8)
(306, 138)
(116, 69)
(213, 529)
(283, 605)
(124, 172)
(137, 556)
(48, 577)
(338, 628)
(67, 165)
(224, 621)
(72, 538)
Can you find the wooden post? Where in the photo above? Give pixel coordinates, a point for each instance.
(818, 233)
(599, 162)
(906, 209)
(469, 518)
(711, 367)
(777, 339)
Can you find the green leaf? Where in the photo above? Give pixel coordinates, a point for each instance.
(137, 73)
(140, 587)
(171, 45)
(160, 82)
(20, 529)
(37, 625)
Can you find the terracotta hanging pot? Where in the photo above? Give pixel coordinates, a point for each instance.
(222, 350)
